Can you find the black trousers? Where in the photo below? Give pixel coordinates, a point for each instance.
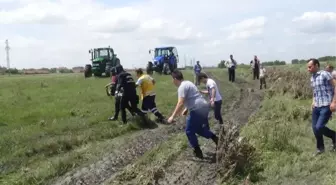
(117, 107)
(148, 104)
(131, 101)
(232, 74)
(217, 111)
(255, 73)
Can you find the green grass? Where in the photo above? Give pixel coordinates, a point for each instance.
(49, 124)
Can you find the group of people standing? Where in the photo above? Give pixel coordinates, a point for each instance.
(196, 107)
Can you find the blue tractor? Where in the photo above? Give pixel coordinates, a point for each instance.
(165, 60)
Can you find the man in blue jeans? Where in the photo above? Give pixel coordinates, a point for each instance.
(324, 103)
(198, 108)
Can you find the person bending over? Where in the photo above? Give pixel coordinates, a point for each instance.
(198, 108)
(126, 86)
(214, 95)
(117, 95)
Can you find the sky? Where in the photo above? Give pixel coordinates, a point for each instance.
(55, 33)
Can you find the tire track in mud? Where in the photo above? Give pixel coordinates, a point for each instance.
(135, 146)
(185, 170)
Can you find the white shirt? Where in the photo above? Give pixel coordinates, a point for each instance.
(262, 72)
(231, 63)
(212, 84)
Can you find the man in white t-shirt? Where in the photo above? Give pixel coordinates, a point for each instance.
(262, 77)
(214, 95)
(331, 70)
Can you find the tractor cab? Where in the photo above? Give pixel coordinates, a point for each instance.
(165, 59)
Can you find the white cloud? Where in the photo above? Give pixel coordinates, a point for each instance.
(60, 32)
(248, 28)
(316, 22)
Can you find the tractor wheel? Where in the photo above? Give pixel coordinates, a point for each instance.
(108, 73)
(88, 71)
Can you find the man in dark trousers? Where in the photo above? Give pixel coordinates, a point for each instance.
(126, 86)
(117, 96)
(256, 67)
(197, 70)
(146, 84)
(214, 95)
(232, 69)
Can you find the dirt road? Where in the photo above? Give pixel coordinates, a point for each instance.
(184, 170)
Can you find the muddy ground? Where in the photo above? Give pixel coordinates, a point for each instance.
(185, 169)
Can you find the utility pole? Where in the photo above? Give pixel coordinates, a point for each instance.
(7, 56)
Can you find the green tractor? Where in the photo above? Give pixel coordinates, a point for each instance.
(103, 59)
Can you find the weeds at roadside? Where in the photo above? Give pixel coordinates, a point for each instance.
(235, 156)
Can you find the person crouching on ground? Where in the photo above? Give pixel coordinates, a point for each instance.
(117, 95)
(262, 76)
(198, 108)
(324, 103)
(214, 95)
(146, 84)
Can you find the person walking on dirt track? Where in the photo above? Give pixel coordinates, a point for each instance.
(126, 86)
(232, 69)
(262, 77)
(197, 70)
(146, 84)
(215, 96)
(198, 108)
(324, 103)
(117, 96)
(256, 66)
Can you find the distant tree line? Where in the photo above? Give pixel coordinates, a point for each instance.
(321, 59)
(14, 71)
(274, 63)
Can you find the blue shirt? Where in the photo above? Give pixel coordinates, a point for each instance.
(322, 88)
(197, 69)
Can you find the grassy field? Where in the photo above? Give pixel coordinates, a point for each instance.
(52, 123)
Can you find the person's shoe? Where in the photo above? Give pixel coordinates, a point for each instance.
(113, 118)
(198, 152)
(160, 120)
(318, 152)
